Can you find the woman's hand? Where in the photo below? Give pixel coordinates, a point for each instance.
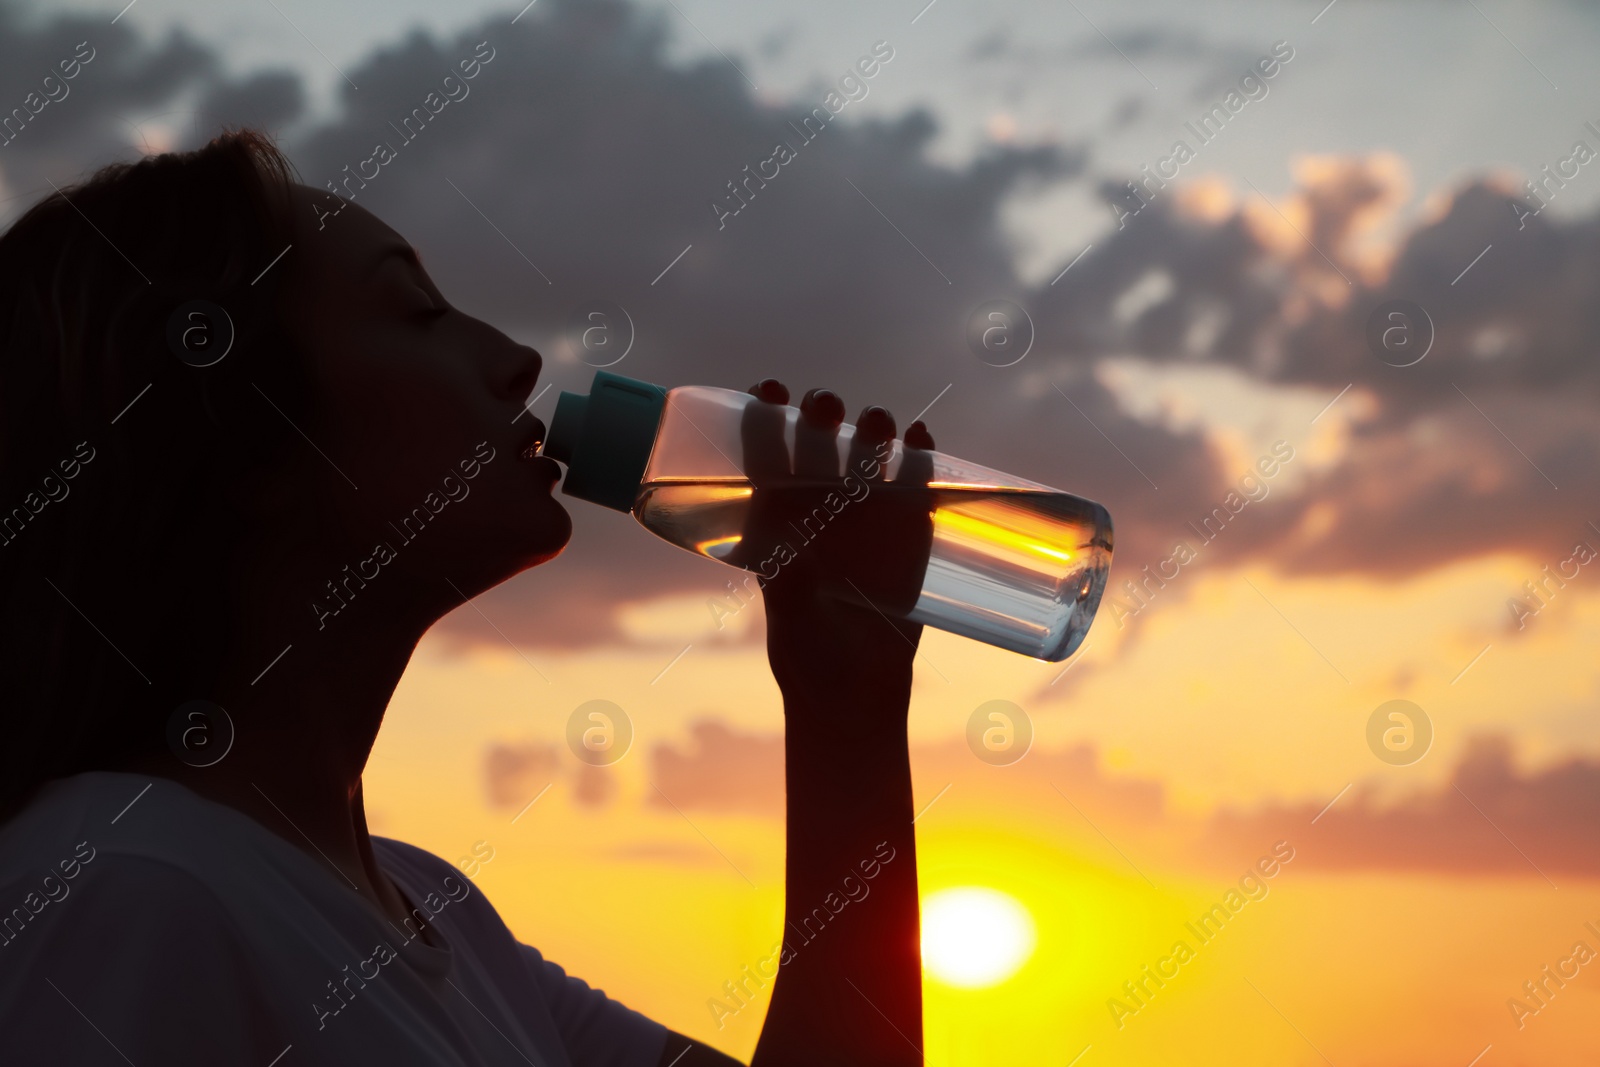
(841, 553)
(848, 552)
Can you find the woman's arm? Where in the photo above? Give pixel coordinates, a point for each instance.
(849, 985)
(849, 989)
(683, 1052)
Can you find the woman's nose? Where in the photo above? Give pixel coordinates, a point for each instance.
(524, 372)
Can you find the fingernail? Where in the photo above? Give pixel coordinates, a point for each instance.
(772, 390)
(876, 420)
(827, 406)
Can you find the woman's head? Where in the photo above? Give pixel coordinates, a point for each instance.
(419, 409)
(348, 456)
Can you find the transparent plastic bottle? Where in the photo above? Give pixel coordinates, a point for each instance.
(1010, 562)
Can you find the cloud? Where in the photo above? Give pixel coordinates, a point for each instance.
(599, 159)
(96, 116)
(268, 101)
(721, 770)
(731, 772)
(1001, 45)
(513, 774)
(594, 787)
(668, 853)
(994, 45)
(1459, 455)
(1490, 819)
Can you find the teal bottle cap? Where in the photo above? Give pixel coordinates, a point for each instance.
(605, 439)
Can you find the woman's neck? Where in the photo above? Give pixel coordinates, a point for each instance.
(301, 734)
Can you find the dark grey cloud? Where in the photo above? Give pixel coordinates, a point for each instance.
(597, 158)
(1219, 63)
(128, 93)
(1528, 287)
(996, 44)
(269, 101)
(1001, 44)
(87, 120)
(1128, 110)
(1466, 449)
(776, 44)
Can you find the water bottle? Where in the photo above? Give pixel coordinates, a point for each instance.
(1003, 560)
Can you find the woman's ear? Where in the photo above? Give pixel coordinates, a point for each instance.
(263, 492)
(253, 410)
(262, 467)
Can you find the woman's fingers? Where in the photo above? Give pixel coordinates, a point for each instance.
(916, 461)
(917, 436)
(871, 445)
(816, 449)
(816, 435)
(771, 390)
(766, 454)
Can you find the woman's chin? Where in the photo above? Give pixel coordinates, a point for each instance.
(511, 547)
(550, 538)
(540, 557)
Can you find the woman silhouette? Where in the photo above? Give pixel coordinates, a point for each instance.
(213, 396)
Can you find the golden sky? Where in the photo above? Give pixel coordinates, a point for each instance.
(1107, 832)
(1189, 737)
(1206, 725)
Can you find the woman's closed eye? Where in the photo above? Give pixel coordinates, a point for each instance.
(435, 306)
(419, 297)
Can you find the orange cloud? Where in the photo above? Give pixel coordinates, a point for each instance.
(1490, 819)
(514, 774)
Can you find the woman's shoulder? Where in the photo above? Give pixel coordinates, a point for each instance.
(444, 893)
(106, 853)
(117, 817)
(131, 939)
(393, 854)
(92, 901)
(129, 836)
(81, 823)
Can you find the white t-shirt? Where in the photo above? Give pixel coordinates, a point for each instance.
(152, 926)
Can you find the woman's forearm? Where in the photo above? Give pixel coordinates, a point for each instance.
(849, 988)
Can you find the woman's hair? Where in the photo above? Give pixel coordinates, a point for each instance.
(119, 537)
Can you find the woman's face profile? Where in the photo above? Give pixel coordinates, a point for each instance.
(417, 409)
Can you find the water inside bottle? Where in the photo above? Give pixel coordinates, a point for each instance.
(1022, 569)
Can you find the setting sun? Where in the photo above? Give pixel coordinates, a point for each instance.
(974, 937)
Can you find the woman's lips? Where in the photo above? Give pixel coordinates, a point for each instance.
(535, 440)
(547, 466)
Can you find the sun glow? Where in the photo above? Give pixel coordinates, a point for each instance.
(974, 937)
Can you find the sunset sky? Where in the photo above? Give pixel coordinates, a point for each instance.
(1404, 552)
